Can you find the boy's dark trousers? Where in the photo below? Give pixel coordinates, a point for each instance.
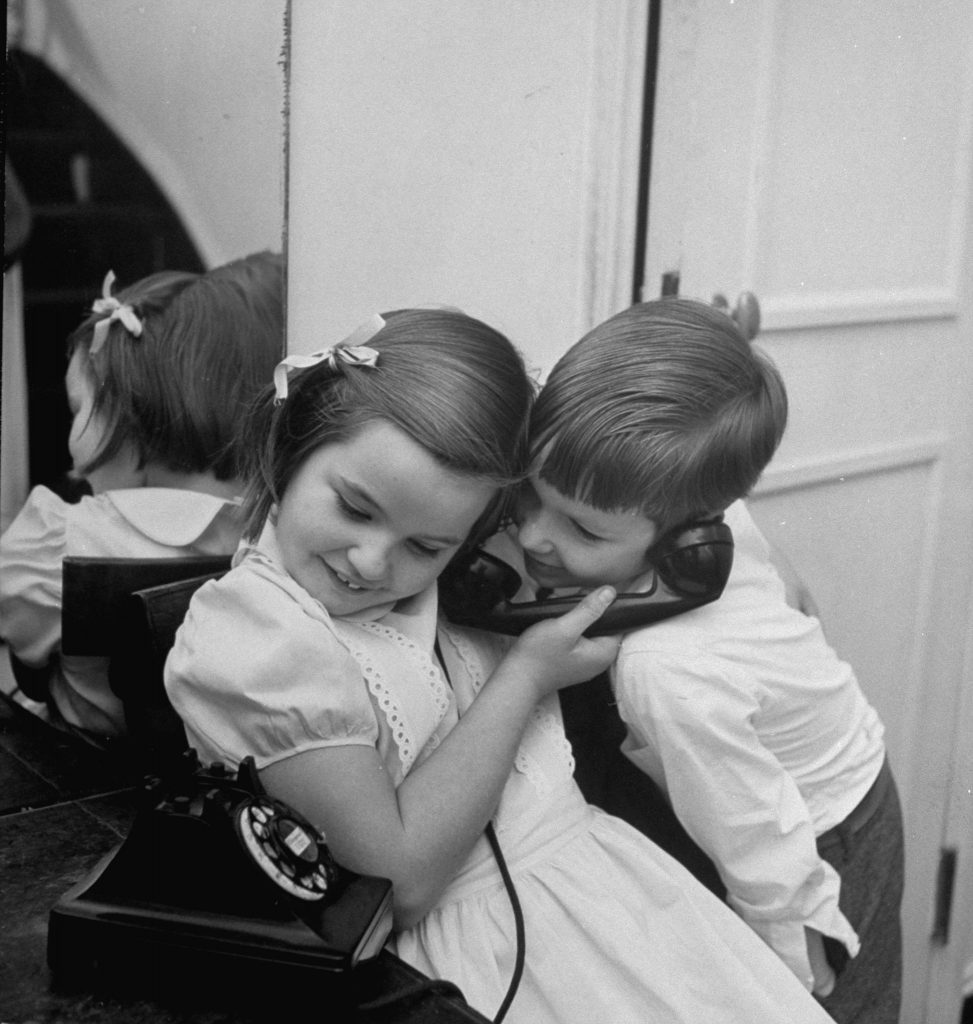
(866, 850)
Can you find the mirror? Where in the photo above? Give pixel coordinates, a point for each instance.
(143, 137)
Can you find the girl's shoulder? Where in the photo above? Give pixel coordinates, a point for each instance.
(258, 665)
(258, 599)
(41, 520)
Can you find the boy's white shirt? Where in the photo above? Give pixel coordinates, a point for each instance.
(692, 694)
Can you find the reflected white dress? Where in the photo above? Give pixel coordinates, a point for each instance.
(616, 930)
(138, 522)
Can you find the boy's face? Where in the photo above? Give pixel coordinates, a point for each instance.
(570, 544)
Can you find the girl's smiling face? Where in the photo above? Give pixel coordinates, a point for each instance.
(374, 519)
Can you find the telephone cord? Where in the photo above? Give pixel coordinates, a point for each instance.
(508, 882)
(518, 922)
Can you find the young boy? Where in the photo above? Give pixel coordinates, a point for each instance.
(755, 730)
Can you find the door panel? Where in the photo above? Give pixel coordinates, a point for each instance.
(819, 156)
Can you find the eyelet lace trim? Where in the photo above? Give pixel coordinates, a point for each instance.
(425, 666)
(555, 736)
(404, 742)
(467, 655)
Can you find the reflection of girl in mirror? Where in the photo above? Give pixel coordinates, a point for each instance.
(158, 379)
(322, 655)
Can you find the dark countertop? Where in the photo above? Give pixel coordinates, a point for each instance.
(63, 806)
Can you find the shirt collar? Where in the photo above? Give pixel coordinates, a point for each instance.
(170, 515)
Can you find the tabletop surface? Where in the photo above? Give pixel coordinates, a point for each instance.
(63, 806)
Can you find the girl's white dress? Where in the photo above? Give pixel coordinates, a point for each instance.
(616, 930)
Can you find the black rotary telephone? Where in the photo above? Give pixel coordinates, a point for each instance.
(225, 888)
(691, 566)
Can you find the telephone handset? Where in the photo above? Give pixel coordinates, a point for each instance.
(691, 567)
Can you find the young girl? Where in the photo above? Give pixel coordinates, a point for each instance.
(321, 654)
(158, 378)
(756, 731)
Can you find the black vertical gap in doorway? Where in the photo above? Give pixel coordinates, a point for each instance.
(645, 155)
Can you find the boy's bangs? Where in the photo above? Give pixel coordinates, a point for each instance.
(600, 475)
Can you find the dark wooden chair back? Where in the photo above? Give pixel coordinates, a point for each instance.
(95, 591)
(128, 609)
(94, 594)
(152, 617)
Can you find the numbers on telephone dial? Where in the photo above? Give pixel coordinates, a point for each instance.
(286, 846)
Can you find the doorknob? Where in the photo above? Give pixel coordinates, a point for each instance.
(746, 313)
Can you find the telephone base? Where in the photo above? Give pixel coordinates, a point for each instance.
(182, 898)
(100, 939)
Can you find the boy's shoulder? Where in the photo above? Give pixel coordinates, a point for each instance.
(747, 536)
(751, 610)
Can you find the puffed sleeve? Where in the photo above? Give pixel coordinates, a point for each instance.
(255, 671)
(31, 553)
(691, 728)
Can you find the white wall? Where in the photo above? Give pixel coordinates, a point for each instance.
(196, 89)
(453, 153)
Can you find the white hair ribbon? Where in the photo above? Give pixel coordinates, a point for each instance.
(352, 351)
(113, 310)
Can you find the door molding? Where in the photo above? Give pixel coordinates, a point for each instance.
(784, 312)
(853, 463)
(612, 173)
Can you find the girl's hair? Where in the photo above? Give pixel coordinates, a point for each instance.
(178, 392)
(664, 409)
(453, 384)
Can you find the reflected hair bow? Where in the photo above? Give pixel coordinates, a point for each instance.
(352, 351)
(113, 310)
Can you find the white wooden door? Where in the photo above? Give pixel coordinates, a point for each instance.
(819, 154)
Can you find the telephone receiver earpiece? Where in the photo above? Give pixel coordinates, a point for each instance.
(691, 567)
(696, 559)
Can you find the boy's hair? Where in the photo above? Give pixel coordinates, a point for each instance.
(178, 393)
(453, 384)
(664, 409)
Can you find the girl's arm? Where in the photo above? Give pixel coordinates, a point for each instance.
(420, 833)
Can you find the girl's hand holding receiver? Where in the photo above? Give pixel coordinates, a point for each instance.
(555, 653)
